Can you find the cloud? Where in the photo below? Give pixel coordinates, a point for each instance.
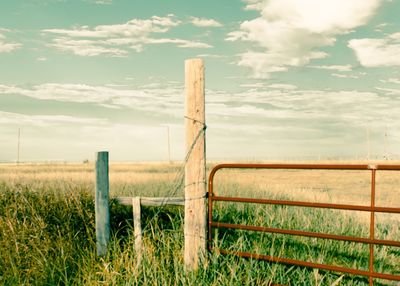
(289, 33)
(211, 56)
(7, 47)
(179, 42)
(283, 86)
(391, 80)
(119, 39)
(100, 2)
(45, 120)
(289, 103)
(389, 91)
(255, 4)
(380, 27)
(89, 47)
(339, 68)
(253, 85)
(202, 22)
(166, 99)
(133, 28)
(340, 75)
(264, 113)
(377, 52)
(263, 106)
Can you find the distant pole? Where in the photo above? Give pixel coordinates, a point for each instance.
(18, 148)
(195, 168)
(101, 203)
(368, 144)
(386, 155)
(169, 146)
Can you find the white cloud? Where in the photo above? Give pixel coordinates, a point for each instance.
(253, 85)
(202, 22)
(179, 42)
(391, 80)
(380, 27)
(283, 86)
(211, 56)
(377, 52)
(133, 28)
(290, 32)
(166, 99)
(395, 36)
(340, 75)
(312, 114)
(265, 112)
(45, 120)
(5, 46)
(117, 40)
(339, 68)
(255, 4)
(100, 2)
(89, 47)
(389, 91)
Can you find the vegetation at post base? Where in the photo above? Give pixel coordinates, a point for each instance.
(47, 237)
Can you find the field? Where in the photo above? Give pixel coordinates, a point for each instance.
(47, 233)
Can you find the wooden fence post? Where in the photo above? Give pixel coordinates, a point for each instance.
(101, 203)
(136, 209)
(195, 169)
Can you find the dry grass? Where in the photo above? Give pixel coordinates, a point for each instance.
(50, 207)
(84, 173)
(351, 187)
(131, 179)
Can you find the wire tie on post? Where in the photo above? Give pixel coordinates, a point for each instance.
(195, 120)
(195, 183)
(197, 198)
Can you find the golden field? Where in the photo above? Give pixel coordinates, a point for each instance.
(47, 225)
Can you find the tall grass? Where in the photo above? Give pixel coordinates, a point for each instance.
(47, 238)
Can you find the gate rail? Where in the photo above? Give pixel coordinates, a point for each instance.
(371, 208)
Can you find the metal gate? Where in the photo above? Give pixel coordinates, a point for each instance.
(372, 209)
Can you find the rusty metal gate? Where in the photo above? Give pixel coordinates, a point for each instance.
(372, 209)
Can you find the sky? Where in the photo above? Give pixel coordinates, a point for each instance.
(285, 79)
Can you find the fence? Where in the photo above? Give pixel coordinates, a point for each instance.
(137, 203)
(195, 193)
(372, 209)
(195, 224)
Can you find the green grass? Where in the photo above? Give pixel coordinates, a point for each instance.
(47, 237)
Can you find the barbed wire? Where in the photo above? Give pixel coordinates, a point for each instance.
(178, 181)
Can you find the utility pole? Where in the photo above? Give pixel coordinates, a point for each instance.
(19, 138)
(368, 144)
(386, 153)
(169, 146)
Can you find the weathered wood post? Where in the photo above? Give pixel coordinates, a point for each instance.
(137, 227)
(101, 203)
(195, 169)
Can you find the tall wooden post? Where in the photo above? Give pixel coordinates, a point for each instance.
(195, 169)
(101, 203)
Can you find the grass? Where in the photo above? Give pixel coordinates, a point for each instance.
(47, 228)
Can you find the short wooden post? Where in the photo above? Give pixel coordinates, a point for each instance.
(137, 227)
(101, 203)
(195, 169)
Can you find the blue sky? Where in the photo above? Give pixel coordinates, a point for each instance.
(285, 79)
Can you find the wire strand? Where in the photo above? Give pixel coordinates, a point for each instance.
(178, 182)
